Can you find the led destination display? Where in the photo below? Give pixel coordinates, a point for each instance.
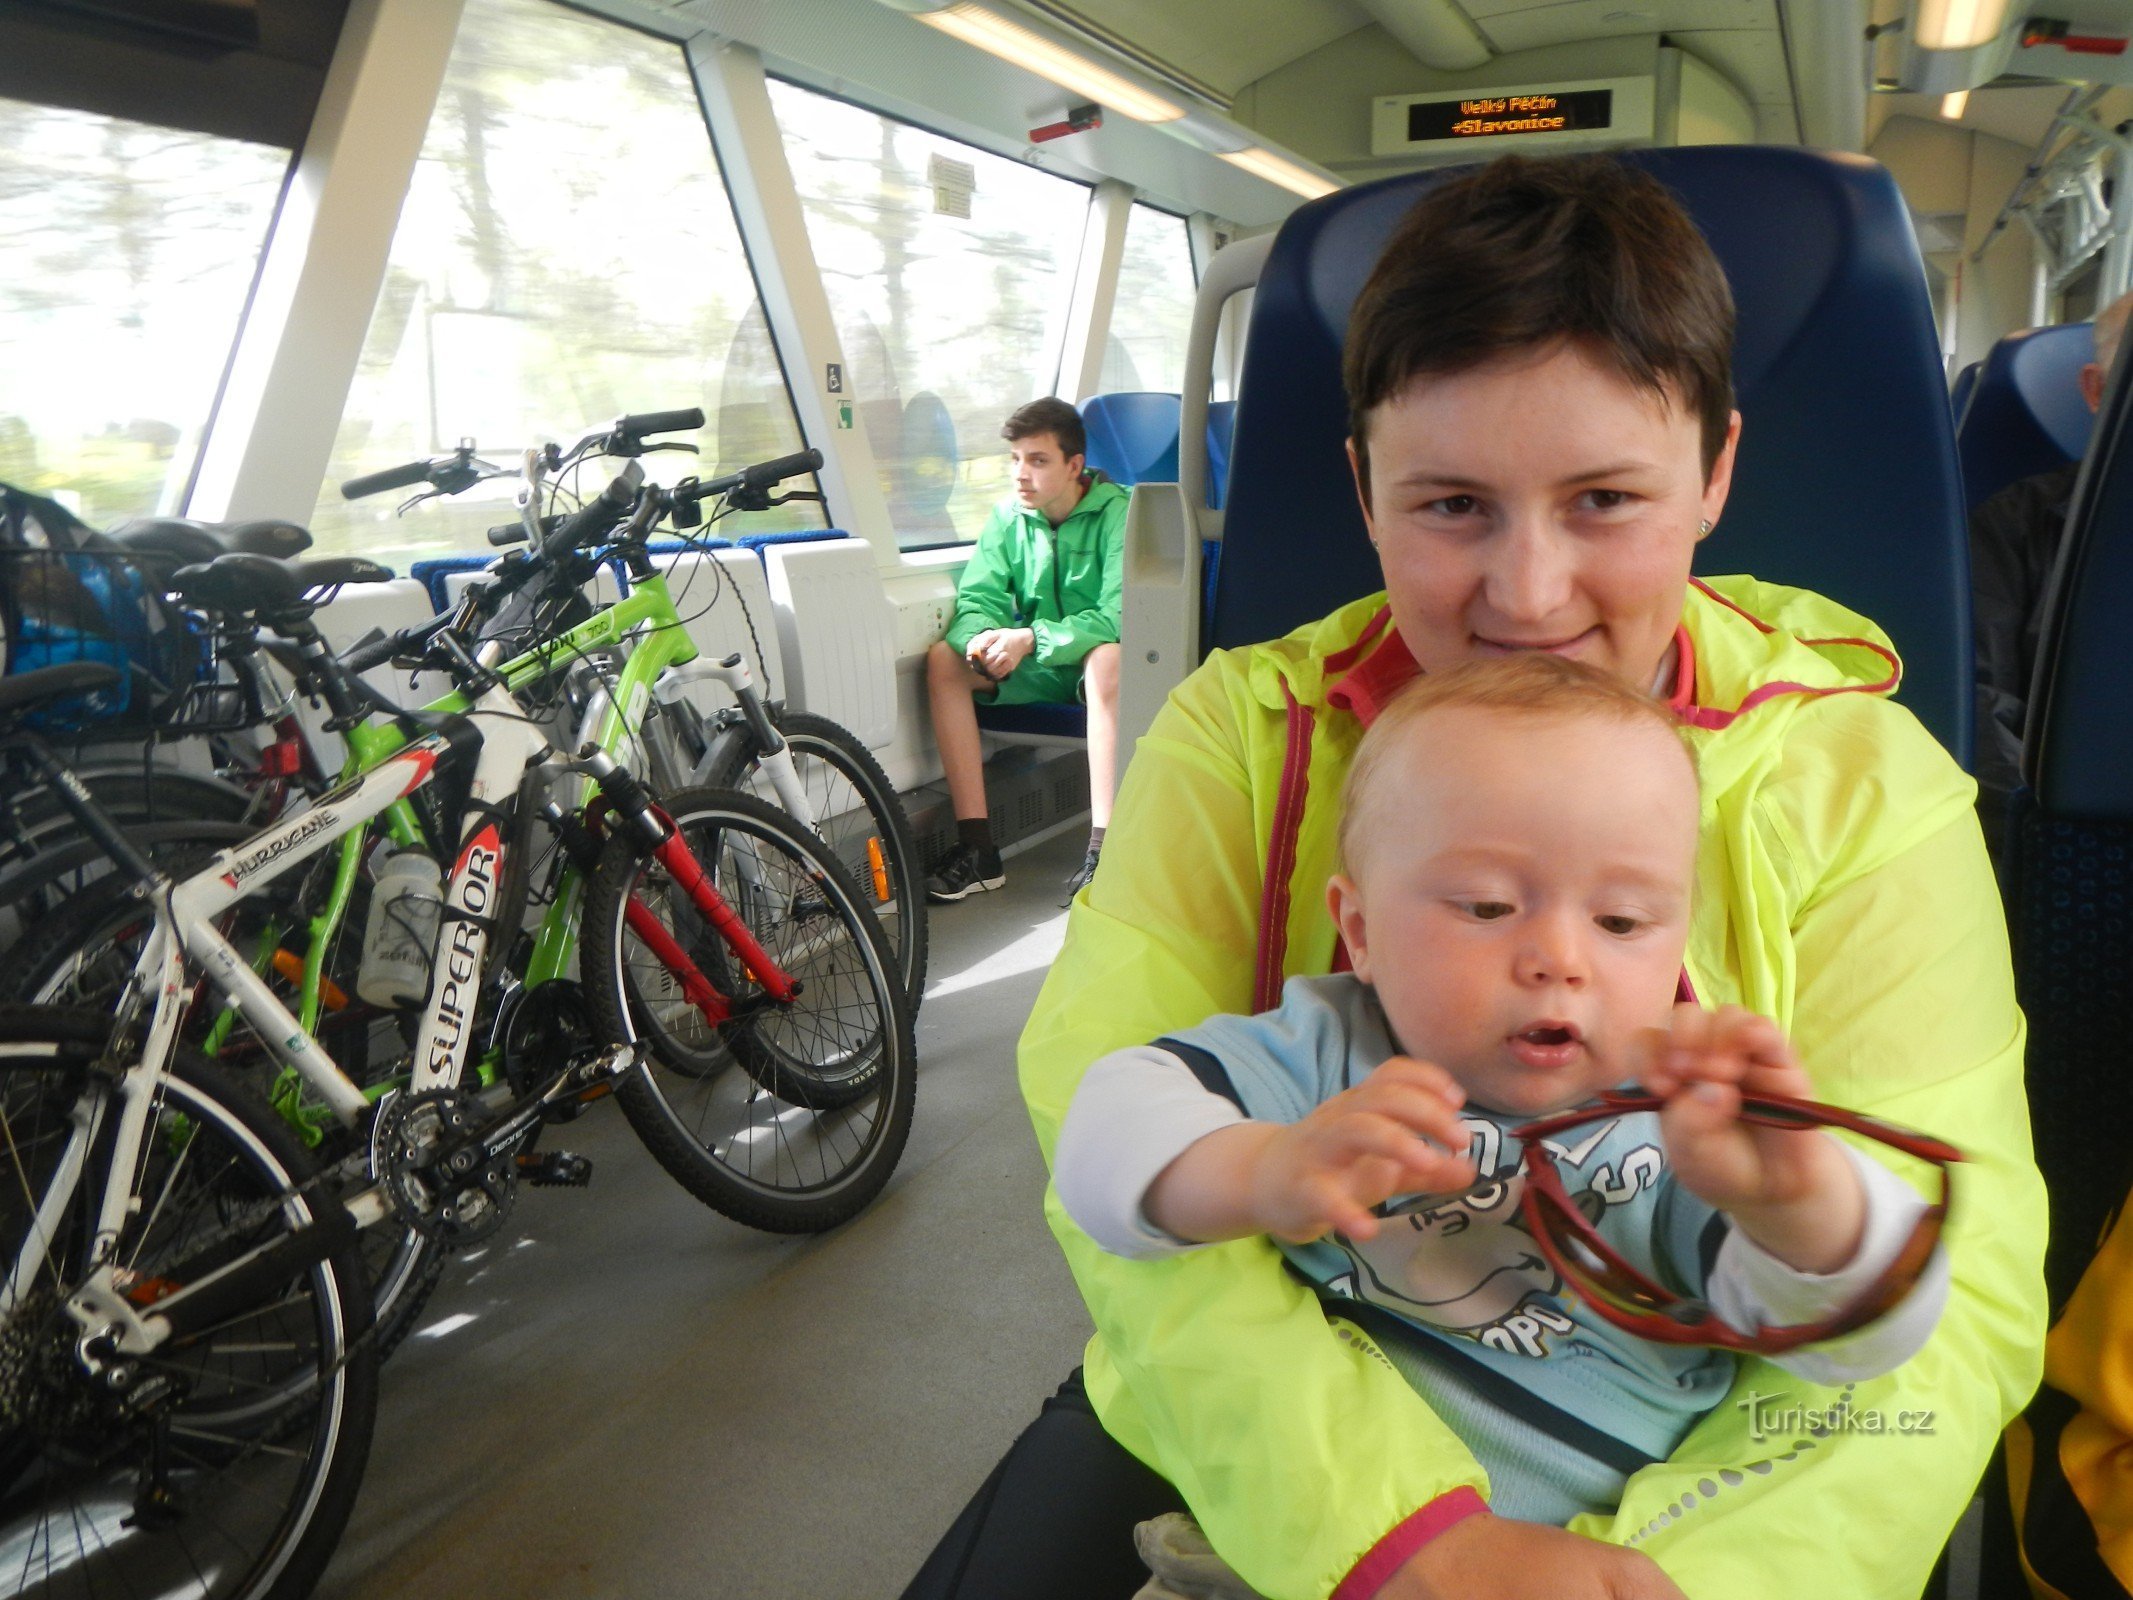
(1529, 111)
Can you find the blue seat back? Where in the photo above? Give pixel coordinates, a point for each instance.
(1959, 398)
(1847, 481)
(2026, 414)
(1133, 437)
(1221, 429)
(2071, 881)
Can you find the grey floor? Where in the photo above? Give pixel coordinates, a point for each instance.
(624, 1394)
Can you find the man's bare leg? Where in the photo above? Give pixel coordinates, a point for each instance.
(950, 684)
(1100, 683)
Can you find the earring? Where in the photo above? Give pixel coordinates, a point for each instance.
(1703, 529)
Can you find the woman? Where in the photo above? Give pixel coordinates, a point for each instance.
(1542, 430)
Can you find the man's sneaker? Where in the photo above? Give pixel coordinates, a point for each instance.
(964, 872)
(1080, 880)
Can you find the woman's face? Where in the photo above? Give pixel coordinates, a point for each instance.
(1542, 502)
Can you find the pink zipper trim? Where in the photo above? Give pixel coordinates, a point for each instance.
(1703, 717)
(1281, 857)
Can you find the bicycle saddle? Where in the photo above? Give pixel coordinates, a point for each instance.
(20, 690)
(184, 541)
(244, 582)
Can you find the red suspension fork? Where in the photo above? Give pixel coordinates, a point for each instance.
(674, 854)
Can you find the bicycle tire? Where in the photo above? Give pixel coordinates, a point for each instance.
(264, 1449)
(777, 1139)
(83, 956)
(827, 755)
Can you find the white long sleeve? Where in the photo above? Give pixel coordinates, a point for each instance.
(1138, 1110)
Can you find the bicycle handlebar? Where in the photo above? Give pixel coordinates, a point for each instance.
(596, 516)
(644, 422)
(377, 648)
(760, 476)
(401, 477)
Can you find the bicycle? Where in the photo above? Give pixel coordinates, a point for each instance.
(107, 1117)
(813, 768)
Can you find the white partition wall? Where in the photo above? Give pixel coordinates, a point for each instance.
(837, 633)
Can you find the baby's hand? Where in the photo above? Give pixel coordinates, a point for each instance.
(1359, 1149)
(1791, 1189)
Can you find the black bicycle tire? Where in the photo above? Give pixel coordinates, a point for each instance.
(824, 740)
(300, 1552)
(90, 917)
(653, 1115)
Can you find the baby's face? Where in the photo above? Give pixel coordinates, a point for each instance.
(1520, 899)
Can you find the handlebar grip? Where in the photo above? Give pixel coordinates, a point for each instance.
(763, 475)
(508, 533)
(643, 422)
(596, 516)
(391, 478)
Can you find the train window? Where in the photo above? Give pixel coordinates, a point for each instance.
(948, 270)
(126, 253)
(1145, 348)
(566, 253)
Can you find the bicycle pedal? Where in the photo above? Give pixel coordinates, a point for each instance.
(555, 1169)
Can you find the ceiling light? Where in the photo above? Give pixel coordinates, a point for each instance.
(1033, 52)
(1265, 164)
(1957, 24)
(1951, 105)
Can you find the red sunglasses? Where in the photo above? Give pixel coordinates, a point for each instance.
(1622, 1295)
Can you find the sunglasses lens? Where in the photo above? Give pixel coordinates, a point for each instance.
(1590, 1273)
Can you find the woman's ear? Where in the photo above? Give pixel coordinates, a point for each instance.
(1345, 901)
(1718, 483)
(1361, 474)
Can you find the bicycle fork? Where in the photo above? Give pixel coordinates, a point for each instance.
(657, 837)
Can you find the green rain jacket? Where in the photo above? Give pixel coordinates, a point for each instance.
(1065, 584)
(1842, 888)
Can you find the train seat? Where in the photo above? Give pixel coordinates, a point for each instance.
(1847, 482)
(1959, 398)
(1133, 436)
(2070, 895)
(2026, 414)
(1221, 431)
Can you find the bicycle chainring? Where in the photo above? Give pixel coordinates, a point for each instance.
(435, 1175)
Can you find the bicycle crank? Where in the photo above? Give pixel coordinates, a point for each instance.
(437, 1170)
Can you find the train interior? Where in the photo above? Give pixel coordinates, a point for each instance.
(252, 249)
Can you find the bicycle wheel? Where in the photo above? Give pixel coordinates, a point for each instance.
(801, 1127)
(858, 815)
(83, 956)
(228, 1465)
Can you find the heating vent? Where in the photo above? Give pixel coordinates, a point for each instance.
(837, 634)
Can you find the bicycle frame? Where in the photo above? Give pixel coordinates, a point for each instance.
(646, 619)
(184, 929)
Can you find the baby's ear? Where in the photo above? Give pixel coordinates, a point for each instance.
(1345, 901)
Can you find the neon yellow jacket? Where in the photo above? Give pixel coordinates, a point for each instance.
(1843, 889)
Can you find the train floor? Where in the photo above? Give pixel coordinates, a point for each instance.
(624, 1394)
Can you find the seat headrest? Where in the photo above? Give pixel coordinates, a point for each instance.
(2078, 750)
(1847, 481)
(1133, 436)
(2026, 414)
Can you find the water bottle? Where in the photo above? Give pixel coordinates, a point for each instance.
(406, 898)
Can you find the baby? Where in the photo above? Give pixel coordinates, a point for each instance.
(1519, 845)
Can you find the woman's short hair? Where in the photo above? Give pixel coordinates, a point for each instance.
(1527, 252)
(1052, 416)
(1531, 684)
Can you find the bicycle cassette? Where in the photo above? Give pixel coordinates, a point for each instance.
(426, 1152)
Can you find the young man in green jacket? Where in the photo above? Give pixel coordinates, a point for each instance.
(1036, 622)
